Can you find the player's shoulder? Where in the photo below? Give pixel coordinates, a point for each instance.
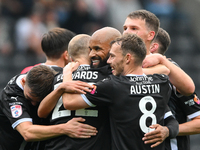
(16, 79)
(160, 76)
(175, 63)
(14, 86)
(105, 69)
(25, 70)
(57, 69)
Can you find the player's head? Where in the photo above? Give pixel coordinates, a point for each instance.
(55, 42)
(79, 47)
(38, 83)
(161, 43)
(126, 52)
(143, 23)
(100, 45)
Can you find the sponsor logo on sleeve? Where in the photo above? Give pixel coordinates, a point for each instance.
(16, 111)
(93, 89)
(196, 99)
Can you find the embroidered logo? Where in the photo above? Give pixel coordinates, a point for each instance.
(15, 98)
(16, 111)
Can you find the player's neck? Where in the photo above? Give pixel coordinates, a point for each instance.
(148, 48)
(56, 62)
(134, 70)
(83, 61)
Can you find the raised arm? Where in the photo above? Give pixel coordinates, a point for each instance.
(159, 69)
(72, 101)
(177, 76)
(49, 102)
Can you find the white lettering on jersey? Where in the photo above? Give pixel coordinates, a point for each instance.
(190, 102)
(15, 103)
(145, 89)
(59, 77)
(85, 75)
(143, 79)
(147, 113)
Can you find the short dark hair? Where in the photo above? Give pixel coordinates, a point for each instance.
(152, 22)
(163, 39)
(133, 44)
(40, 79)
(55, 42)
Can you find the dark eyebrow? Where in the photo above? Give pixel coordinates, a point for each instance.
(97, 47)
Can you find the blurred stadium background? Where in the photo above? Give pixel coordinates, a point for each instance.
(23, 22)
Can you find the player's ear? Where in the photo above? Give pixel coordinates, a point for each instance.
(128, 57)
(66, 56)
(23, 81)
(151, 35)
(154, 48)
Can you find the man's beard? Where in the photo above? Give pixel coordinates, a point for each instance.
(101, 63)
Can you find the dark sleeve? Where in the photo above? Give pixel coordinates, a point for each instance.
(101, 93)
(14, 105)
(190, 105)
(172, 124)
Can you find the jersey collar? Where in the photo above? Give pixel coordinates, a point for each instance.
(135, 75)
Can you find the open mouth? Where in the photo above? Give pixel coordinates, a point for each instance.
(112, 68)
(95, 62)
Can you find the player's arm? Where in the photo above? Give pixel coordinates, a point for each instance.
(72, 128)
(190, 127)
(159, 69)
(72, 101)
(157, 136)
(49, 102)
(177, 76)
(170, 129)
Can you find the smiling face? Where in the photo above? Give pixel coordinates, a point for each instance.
(99, 50)
(116, 60)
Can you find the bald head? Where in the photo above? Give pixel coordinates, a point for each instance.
(106, 34)
(100, 45)
(79, 46)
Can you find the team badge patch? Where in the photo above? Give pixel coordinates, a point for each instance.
(16, 110)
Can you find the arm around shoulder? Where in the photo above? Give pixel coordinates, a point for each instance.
(177, 76)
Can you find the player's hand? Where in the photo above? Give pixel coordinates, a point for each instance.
(76, 87)
(70, 67)
(75, 129)
(157, 136)
(152, 60)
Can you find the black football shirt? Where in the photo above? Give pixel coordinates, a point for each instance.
(95, 116)
(14, 109)
(134, 103)
(184, 108)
